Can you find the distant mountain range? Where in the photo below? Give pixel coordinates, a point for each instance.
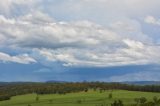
(126, 82)
(54, 81)
(142, 82)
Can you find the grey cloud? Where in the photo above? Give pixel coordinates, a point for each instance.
(82, 43)
(28, 33)
(22, 59)
(152, 20)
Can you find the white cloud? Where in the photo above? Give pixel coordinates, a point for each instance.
(6, 6)
(129, 28)
(79, 43)
(46, 34)
(133, 53)
(83, 43)
(23, 59)
(36, 17)
(152, 20)
(133, 44)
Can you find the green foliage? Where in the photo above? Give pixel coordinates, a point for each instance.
(117, 103)
(143, 101)
(101, 90)
(140, 101)
(4, 97)
(101, 104)
(79, 101)
(110, 96)
(86, 90)
(37, 98)
(51, 101)
(156, 101)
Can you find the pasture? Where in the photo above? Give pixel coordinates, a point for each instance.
(90, 98)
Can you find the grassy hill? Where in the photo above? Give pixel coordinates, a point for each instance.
(90, 98)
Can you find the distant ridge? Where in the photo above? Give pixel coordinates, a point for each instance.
(142, 82)
(55, 81)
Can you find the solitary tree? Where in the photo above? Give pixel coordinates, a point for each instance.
(79, 101)
(50, 101)
(142, 100)
(37, 98)
(110, 96)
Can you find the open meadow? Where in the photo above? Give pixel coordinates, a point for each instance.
(90, 98)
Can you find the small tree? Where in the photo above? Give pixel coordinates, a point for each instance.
(37, 98)
(94, 89)
(142, 100)
(110, 96)
(100, 90)
(51, 101)
(79, 101)
(86, 90)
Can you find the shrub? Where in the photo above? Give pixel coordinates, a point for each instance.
(110, 96)
(79, 101)
(117, 103)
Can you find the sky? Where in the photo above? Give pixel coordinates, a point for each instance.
(80, 40)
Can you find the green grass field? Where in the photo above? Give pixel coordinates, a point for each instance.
(90, 98)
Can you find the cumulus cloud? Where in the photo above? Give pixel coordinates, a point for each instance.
(152, 20)
(7, 6)
(132, 53)
(22, 59)
(36, 33)
(129, 28)
(79, 43)
(82, 42)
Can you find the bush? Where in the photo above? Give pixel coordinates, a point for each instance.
(79, 101)
(4, 97)
(110, 96)
(37, 98)
(50, 101)
(117, 103)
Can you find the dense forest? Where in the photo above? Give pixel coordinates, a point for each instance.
(7, 90)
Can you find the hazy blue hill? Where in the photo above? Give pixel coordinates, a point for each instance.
(142, 82)
(56, 81)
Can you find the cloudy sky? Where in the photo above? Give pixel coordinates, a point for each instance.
(77, 40)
